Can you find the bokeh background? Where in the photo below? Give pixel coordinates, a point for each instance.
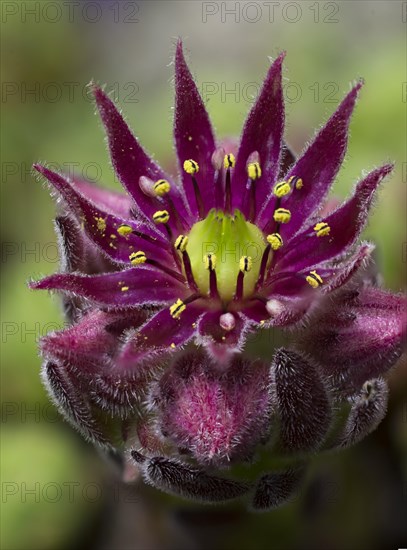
(57, 491)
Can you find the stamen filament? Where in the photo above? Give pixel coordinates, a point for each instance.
(188, 270)
(210, 265)
(229, 162)
(263, 266)
(179, 221)
(213, 285)
(254, 173)
(219, 188)
(166, 269)
(252, 201)
(228, 192)
(198, 198)
(245, 265)
(191, 167)
(239, 286)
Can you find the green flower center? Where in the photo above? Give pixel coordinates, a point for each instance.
(226, 243)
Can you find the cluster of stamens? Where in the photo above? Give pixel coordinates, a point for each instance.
(273, 241)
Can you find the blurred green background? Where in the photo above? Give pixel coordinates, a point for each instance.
(56, 490)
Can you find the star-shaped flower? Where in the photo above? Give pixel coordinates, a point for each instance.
(244, 240)
(240, 242)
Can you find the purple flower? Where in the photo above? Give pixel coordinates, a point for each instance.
(245, 240)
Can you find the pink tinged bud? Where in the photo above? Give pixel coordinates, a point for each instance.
(227, 321)
(217, 158)
(219, 416)
(359, 337)
(302, 402)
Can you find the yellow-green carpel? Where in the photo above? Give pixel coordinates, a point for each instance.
(228, 237)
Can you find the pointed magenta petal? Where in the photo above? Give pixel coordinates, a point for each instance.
(141, 285)
(193, 134)
(343, 273)
(317, 167)
(346, 224)
(101, 226)
(285, 283)
(160, 335)
(130, 161)
(262, 132)
(77, 253)
(118, 204)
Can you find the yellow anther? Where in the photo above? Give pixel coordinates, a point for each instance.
(245, 263)
(177, 308)
(124, 230)
(296, 181)
(281, 189)
(322, 229)
(314, 279)
(173, 346)
(181, 243)
(124, 288)
(229, 161)
(137, 257)
(282, 215)
(275, 240)
(210, 261)
(254, 170)
(191, 167)
(161, 216)
(161, 187)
